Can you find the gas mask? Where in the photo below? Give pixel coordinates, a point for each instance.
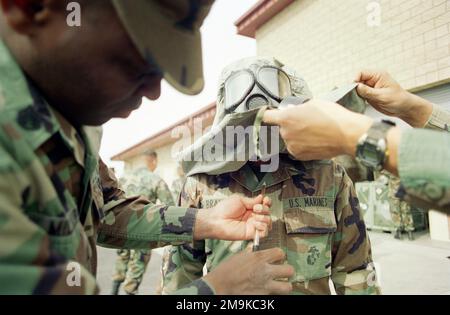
(255, 82)
(253, 88)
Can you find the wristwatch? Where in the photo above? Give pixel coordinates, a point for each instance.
(372, 150)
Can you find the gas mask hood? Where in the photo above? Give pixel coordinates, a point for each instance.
(247, 88)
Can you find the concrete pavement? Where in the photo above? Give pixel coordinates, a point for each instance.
(405, 267)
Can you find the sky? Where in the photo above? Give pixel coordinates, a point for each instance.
(221, 46)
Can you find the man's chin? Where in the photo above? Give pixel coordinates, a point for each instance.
(105, 116)
(95, 122)
(101, 120)
(126, 112)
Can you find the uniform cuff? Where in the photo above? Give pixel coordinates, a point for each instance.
(178, 223)
(439, 119)
(423, 158)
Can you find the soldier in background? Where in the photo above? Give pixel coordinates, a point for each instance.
(131, 264)
(400, 211)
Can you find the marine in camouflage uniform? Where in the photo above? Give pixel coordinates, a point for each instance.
(315, 212)
(400, 211)
(131, 264)
(58, 200)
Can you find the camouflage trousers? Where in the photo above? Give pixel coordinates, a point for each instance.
(164, 267)
(401, 215)
(130, 267)
(400, 211)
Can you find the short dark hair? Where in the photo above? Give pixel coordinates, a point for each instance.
(151, 153)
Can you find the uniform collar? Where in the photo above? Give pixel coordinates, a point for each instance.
(36, 120)
(246, 177)
(23, 104)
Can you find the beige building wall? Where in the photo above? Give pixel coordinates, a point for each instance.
(167, 165)
(328, 41)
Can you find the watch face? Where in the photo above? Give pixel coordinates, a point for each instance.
(372, 146)
(369, 155)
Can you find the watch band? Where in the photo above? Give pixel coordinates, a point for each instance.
(379, 129)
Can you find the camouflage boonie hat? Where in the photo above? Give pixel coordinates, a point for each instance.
(167, 34)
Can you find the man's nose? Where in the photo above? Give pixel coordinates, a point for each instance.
(151, 88)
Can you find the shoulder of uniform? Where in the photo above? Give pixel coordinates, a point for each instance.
(155, 177)
(322, 162)
(199, 182)
(319, 164)
(197, 178)
(13, 144)
(94, 135)
(6, 159)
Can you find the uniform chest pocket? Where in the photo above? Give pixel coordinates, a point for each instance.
(63, 231)
(308, 241)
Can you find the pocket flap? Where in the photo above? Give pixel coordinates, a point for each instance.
(310, 220)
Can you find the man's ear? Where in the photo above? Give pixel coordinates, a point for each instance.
(25, 15)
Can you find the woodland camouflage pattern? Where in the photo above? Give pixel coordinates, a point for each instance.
(176, 187)
(424, 160)
(131, 264)
(316, 220)
(57, 198)
(400, 210)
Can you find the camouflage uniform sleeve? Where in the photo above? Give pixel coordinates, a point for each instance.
(424, 168)
(136, 223)
(352, 270)
(164, 194)
(27, 263)
(186, 261)
(439, 120)
(198, 287)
